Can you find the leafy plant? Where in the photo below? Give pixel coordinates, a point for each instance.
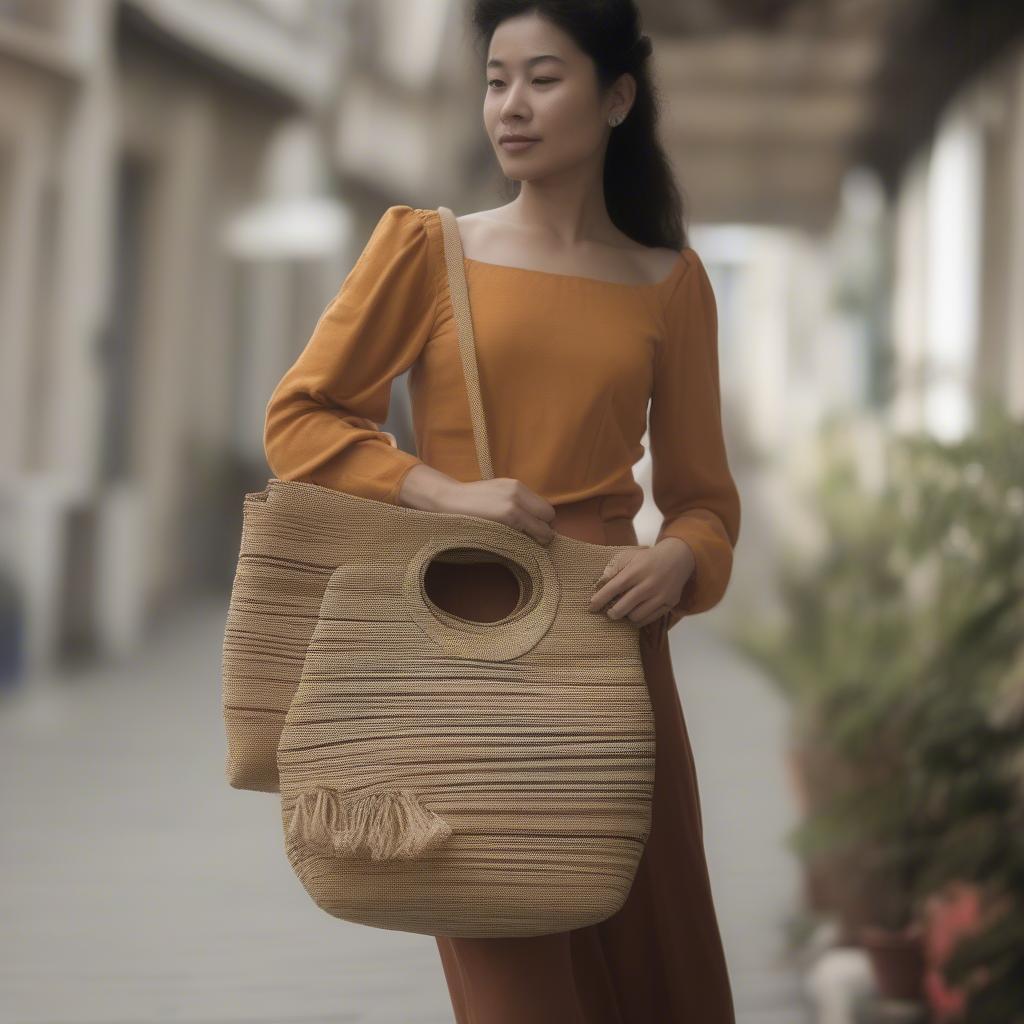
(901, 649)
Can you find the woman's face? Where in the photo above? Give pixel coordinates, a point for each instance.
(541, 85)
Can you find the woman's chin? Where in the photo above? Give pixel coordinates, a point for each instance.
(519, 170)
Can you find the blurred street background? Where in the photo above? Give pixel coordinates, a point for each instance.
(183, 186)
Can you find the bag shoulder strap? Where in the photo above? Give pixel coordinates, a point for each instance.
(467, 347)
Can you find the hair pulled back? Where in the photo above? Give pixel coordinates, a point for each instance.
(640, 190)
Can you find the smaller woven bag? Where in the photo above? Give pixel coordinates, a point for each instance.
(437, 774)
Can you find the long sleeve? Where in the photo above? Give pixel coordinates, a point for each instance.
(692, 485)
(322, 420)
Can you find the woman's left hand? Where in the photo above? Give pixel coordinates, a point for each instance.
(642, 583)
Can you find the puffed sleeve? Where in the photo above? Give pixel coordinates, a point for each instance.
(691, 483)
(322, 419)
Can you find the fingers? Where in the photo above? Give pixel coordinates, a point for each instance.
(535, 506)
(610, 582)
(649, 611)
(528, 511)
(618, 606)
(640, 612)
(616, 598)
(538, 529)
(623, 595)
(535, 514)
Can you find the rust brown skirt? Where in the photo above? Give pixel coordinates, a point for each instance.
(659, 959)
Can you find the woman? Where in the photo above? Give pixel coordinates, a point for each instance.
(587, 304)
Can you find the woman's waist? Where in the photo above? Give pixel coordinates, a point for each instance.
(588, 520)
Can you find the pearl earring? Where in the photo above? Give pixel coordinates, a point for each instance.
(616, 119)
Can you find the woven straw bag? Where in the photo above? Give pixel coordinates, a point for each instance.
(437, 774)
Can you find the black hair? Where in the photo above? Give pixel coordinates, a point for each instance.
(640, 190)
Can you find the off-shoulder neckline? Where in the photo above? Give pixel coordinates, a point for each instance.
(679, 262)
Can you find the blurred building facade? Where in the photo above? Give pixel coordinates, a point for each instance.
(184, 184)
(138, 148)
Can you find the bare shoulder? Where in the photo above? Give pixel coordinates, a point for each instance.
(476, 227)
(662, 258)
(655, 262)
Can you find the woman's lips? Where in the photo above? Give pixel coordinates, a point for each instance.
(515, 145)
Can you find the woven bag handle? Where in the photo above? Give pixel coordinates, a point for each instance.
(464, 320)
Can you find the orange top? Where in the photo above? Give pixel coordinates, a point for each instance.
(567, 366)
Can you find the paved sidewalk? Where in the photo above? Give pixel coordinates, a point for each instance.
(140, 887)
(737, 729)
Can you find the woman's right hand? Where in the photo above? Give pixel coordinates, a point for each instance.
(502, 499)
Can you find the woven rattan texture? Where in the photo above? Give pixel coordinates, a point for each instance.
(540, 760)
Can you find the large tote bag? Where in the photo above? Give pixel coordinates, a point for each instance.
(436, 774)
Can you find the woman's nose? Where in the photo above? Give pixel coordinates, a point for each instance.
(514, 110)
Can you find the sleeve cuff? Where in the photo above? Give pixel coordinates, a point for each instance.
(373, 469)
(405, 466)
(712, 551)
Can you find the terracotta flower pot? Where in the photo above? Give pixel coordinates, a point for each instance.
(897, 959)
(958, 911)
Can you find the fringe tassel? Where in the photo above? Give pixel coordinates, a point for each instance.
(388, 825)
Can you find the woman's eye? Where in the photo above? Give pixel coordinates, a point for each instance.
(498, 81)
